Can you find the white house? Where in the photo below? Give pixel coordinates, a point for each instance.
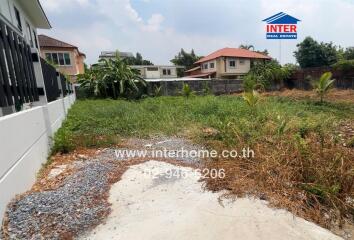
(19, 21)
(25, 17)
(157, 71)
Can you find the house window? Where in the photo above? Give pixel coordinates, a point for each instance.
(61, 59)
(29, 33)
(232, 63)
(18, 18)
(166, 72)
(205, 66)
(152, 69)
(55, 58)
(212, 65)
(67, 59)
(242, 61)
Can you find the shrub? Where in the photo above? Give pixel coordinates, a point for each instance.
(267, 74)
(250, 83)
(344, 65)
(187, 91)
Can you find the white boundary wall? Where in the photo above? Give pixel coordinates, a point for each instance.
(25, 141)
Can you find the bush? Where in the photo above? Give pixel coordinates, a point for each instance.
(344, 65)
(266, 74)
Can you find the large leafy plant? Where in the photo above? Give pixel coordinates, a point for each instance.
(112, 78)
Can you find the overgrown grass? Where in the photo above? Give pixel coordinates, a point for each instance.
(301, 161)
(101, 122)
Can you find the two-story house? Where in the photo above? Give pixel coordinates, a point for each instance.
(226, 63)
(67, 57)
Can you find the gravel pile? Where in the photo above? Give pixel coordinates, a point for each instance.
(80, 201)
(61, 213)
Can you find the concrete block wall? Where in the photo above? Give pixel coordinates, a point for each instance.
(25, 141)
(215, 86)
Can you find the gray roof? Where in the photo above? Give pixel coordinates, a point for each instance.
(162, 66)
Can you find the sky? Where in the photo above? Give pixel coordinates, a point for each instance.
(158, 29)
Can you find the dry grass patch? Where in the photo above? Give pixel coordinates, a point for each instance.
(334, 95)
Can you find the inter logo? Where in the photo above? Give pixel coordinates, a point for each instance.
(281, 26)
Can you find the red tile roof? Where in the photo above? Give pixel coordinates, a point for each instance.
(45, 41)
(233, 52)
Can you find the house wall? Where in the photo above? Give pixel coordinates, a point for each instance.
(23, 153)
(209, 69)
(173, 72)
(239, 69)
(77, 61)
(152, 74)
(144, 73)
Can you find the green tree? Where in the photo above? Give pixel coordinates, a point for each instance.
(137, 60)
(263, 75)
(310, 53)
(349, 53)
(185, 59)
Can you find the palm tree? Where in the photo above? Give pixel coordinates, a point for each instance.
(324, 84)
(247, 47)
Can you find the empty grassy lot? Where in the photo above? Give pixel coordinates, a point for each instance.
(304, 155)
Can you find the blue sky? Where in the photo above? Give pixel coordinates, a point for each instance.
(158, 29)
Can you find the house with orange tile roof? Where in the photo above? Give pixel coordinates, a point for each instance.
(67, 57)
(226, 63)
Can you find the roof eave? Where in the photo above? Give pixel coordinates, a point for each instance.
(47, 25)
(36, 13)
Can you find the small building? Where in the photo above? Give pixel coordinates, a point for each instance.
(226, 63)
(157, 71)
(67, 57)
(112, 54)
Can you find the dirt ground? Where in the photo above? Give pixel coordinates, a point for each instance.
(149, 204)
(334, 95)
(143, 197)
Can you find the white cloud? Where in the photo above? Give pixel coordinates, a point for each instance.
(61, 5)
(154, 23)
